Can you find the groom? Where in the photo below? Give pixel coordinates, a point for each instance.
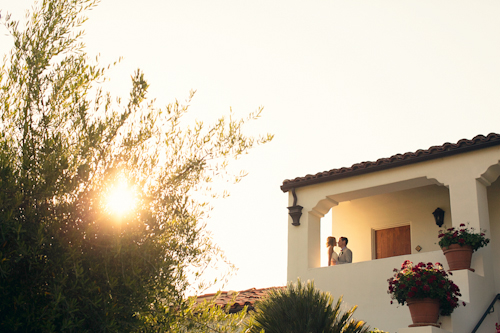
(345, 256)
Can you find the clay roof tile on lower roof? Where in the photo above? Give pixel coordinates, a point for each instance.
(447, 149)
(245, 297)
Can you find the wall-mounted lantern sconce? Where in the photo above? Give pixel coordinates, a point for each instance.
(295, 211)
(439, 216)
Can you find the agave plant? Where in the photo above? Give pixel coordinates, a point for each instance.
(300, 308)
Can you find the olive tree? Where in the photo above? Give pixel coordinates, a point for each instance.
(67, 263)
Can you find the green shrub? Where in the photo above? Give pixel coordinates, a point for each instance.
(300, 308)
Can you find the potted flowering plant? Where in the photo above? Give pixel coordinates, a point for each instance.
(463, 236)
(413, 283)
(458, 245)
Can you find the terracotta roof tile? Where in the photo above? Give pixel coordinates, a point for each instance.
(447, 149)
(245, 297)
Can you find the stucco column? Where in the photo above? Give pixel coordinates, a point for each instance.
(304, 240)
(313, 240)
(297, 243)
(469, 204)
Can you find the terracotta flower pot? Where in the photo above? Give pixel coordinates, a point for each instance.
(424, 311)
(458, 257)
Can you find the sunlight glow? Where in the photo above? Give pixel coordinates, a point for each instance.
(121, 199)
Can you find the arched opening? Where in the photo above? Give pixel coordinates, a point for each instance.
(360, 216)
(326, 231)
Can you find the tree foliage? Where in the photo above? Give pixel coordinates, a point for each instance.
(208, 317)
(66, 262)
(300, 308)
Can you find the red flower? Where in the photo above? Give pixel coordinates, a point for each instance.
(462, 225)
(426, 288)
(411, 294)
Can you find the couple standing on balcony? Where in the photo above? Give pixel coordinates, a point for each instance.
(345, 255)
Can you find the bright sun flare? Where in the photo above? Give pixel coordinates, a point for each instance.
(121, 199)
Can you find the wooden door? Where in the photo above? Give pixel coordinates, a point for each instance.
(392, 242)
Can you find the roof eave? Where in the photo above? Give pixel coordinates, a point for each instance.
(288, 185)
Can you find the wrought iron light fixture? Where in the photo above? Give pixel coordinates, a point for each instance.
(295, 211)
(439, 216)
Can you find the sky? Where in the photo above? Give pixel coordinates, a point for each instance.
(341, 82)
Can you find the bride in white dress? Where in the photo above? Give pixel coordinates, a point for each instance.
(331, 242)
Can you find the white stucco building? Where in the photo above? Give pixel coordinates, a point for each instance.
(371, 198)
